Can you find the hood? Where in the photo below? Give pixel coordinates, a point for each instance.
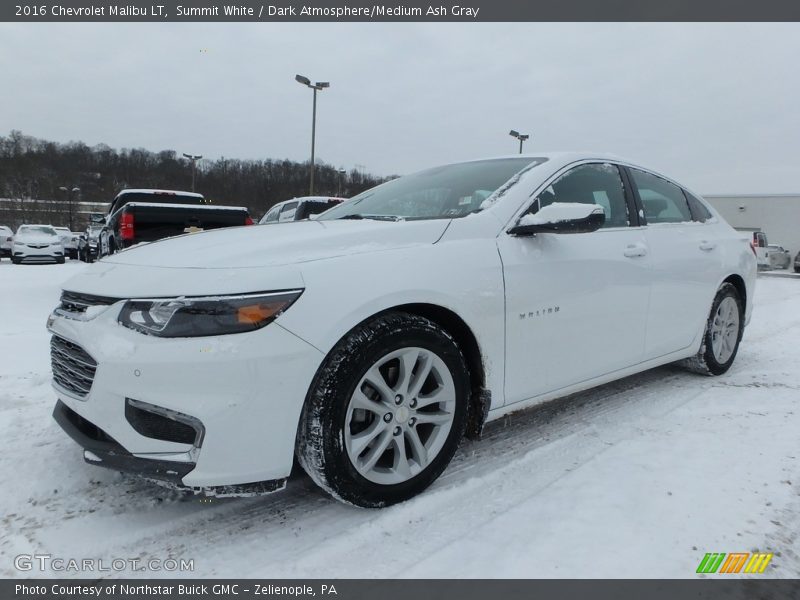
(243, 259)
(280, 244)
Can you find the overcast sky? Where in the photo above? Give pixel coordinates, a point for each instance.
(715, 106)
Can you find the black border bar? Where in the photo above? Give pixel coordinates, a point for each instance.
(398, 10)
(394, 589)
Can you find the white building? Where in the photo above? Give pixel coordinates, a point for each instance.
(777, 215)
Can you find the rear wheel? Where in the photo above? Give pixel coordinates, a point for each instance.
(386, 411)
(722, 335)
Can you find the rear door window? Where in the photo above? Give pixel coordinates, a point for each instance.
(663, 202)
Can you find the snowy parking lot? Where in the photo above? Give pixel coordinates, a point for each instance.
(638, 478)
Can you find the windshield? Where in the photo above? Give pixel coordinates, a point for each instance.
(439, 193)
(36, 229)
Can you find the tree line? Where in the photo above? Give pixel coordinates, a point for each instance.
(36, 170)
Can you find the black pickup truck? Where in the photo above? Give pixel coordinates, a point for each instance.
(137, 216)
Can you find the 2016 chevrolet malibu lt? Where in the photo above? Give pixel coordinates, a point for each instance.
(368, 342)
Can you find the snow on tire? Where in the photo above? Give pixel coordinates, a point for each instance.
(723, 332)
(385, 412)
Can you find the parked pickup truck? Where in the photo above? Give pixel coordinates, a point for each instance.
(137, 216)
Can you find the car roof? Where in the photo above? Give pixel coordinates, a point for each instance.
(154, 192)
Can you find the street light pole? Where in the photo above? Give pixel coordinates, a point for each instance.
(319, 85)
(520, 136)
(341, 172)
(69, 192)
(194, 158)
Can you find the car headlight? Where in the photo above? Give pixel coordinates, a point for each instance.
(207, 315)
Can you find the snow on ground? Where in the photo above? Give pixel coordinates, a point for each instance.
(638, 478)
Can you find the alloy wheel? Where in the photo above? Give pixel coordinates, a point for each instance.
(399, 415)
(725, 330)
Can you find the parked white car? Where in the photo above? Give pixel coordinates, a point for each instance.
(369, 341)
(6, 240)
(37, 244)
(298, 209)
(69, 240)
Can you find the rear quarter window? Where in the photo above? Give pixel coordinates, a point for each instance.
(699, 211)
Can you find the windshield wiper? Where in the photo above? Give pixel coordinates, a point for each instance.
(358, 216)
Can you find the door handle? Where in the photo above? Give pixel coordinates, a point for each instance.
(707, 246)
(634, 250)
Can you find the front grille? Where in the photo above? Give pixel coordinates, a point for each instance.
(78, 303)
(73, 368)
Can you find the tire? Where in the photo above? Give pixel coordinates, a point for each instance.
(797, 269)
(61, 260)
(365, 369)
(723, 332)
(16, 261)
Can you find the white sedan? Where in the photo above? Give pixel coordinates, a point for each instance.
(37, 244)
(368, 342)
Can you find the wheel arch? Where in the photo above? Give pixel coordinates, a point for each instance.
(738, 282)
(452, 323)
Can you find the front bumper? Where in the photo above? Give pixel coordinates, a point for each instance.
(103, 450)
(247, 390)
(26, 254)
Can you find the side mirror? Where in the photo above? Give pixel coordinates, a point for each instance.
(561, 217)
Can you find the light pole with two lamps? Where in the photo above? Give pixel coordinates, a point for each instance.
(319, 85)
(520, 136)
(194, 158)
(69, 192)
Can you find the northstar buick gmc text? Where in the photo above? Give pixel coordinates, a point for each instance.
(369, 341)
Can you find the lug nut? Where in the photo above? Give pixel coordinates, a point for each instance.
(387, 417)
(412, 421)
(398, 399)
(413, 403)
(397, 430)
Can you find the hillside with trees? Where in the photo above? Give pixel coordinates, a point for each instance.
(33, 171)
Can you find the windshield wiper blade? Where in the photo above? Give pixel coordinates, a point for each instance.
(358, 216)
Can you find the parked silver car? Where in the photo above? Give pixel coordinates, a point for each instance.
(779, 257)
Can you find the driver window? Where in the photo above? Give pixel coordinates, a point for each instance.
(590, 184)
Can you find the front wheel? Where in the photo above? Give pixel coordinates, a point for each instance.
(386, 411)
(722, 335)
